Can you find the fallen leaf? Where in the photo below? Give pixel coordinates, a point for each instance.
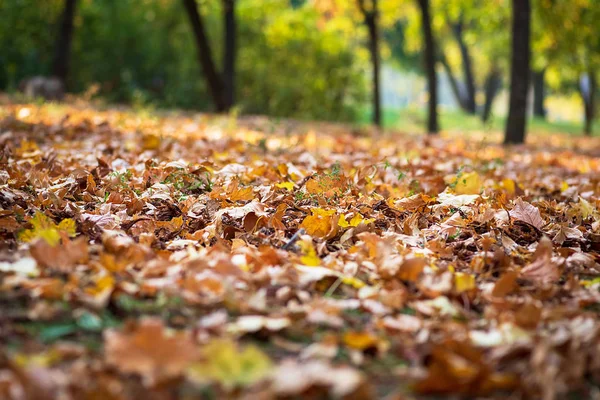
(543, 269)
(44, 228)
(150, 350)
(523, 211)
(224, 362)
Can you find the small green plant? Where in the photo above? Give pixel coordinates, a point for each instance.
(189, 183)
(336, 170)
(459, 174)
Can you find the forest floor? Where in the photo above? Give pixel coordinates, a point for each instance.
(187, 256)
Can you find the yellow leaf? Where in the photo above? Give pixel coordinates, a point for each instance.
(360, 340)
(224, 362)
(509, 185)
(44, 228)
(564, 186)
(354, 282)
(319, 223)
(105, 283)
(172, 225)
(67, 225)
(355, 221)
(586, 208)
(150, 142)
(26, 147)
(463, 282)
(309, 255)
(243, 194)
(283, 169)
(467, 183)
(313, 187)
(342, 222)
(286, 185)
(45, 359)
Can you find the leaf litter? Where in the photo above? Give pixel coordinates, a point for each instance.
(180, 256)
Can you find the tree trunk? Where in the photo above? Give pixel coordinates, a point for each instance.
(230, 52)
(371, 21)
(491, 87)
(213, 79)
(519, 72)
(539, 93)
(453, 83)
(60, 67)
(429, 59)
(467, 68)
(588, 94)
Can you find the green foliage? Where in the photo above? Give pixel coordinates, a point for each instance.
(142, 52)
(26, 47)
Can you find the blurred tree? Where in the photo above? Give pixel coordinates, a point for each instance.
(470, 24)
(26, 47)
(492, 85)
(213, 79)
(460, 26)
(288, 63)
(60, 66)
(519, 72)
(230, 52)
(429, 62)
(570, 43)
(468, 99)
(395, 37)
(370, 13)
(539, 92)
(588, 88)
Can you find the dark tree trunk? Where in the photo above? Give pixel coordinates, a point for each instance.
(60, 66)
(371, 17)
(429, 59)
(213, 79)
(491, 87)
(453, 83)
(230, 52)
(519, 72)
(589, 103)
(539, 93)
(467, 68)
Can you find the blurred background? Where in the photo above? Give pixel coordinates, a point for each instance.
(306, 59)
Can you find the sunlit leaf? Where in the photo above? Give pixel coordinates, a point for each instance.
(224, 362)
(44, 228)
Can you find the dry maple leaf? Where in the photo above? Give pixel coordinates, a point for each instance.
(543, 269)
(150, 350)
(523, 211)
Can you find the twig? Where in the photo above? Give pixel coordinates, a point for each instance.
(293, 239)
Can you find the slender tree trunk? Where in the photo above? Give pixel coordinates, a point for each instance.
(453, 82)
(429, 59)
(589, 103)
(230, 52)
(371, 17)
(60, 67)
(467, 68)
(539, 93)
(213, 79)
(491, 87)
(519, 72)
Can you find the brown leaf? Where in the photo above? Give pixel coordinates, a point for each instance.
(543, 269)
(506, 284)
(523, 211)
(63, 256)
(150, 350)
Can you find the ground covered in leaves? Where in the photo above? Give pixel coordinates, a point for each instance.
(185, 256)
